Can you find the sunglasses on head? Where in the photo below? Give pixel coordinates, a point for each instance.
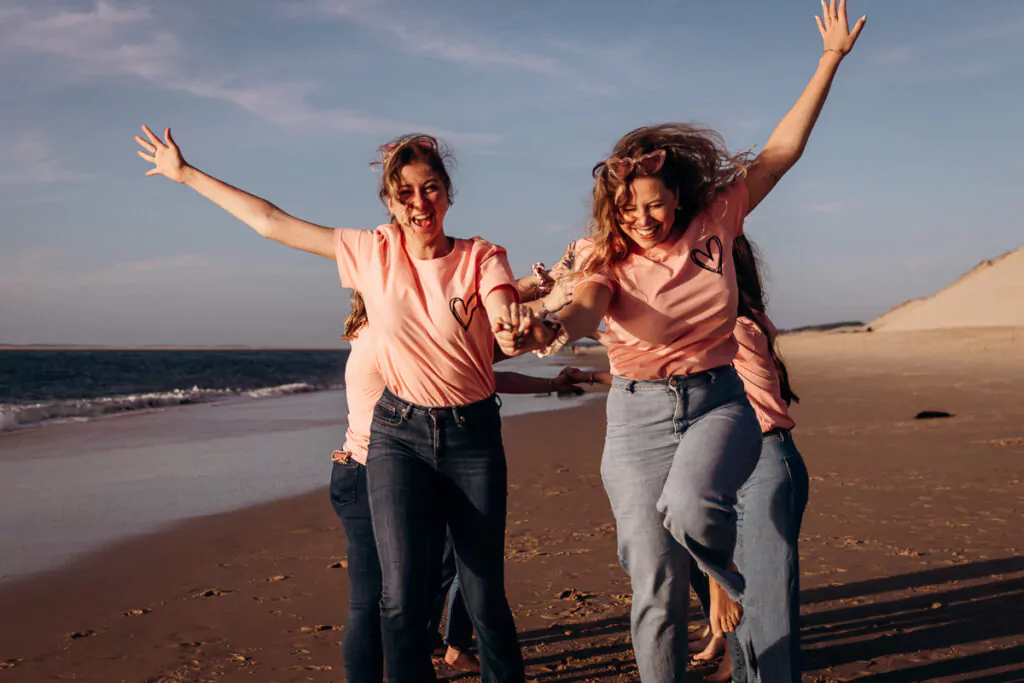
(621, 167)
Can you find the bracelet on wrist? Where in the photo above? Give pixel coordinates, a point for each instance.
(832, 49)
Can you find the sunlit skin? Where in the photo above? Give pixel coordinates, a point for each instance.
(419, 205)
(649, 215)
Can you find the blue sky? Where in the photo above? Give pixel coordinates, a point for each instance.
(912, 175)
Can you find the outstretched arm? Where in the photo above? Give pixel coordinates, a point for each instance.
(577, 376)
(259, 214)
(788, 140)
(518, 383)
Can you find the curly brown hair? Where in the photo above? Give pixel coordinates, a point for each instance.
(357, 318)
(697, 165)
(406, 149)
(747, 258)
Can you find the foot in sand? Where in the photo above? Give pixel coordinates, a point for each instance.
(714, 646)
(461, 661)
(723, 674)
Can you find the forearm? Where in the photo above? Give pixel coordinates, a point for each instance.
(254, 211)
(789, 139)
(517, 383)
(529, 289)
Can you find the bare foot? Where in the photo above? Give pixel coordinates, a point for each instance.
(461, 661)
(725, 612)
(699, 633)
(724, 672)
(701, 644)
(714, 649)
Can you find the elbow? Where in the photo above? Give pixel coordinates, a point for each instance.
(268, 224)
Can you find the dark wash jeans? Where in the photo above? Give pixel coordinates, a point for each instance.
(430, 469)
(361, 648)
(458, 629)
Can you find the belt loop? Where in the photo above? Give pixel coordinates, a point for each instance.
(497, 399)
(631, 386)
(406, 411)
(459, 419)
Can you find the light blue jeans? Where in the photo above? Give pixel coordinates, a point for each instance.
(676, 453)
(766, 647)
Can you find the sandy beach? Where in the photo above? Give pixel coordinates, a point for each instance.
(911, 547)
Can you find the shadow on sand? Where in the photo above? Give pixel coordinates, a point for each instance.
(950, 617)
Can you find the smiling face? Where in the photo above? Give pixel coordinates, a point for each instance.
(419, 202)
(648, 215)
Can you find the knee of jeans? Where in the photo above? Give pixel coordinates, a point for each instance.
(643, 554)
(696, 518)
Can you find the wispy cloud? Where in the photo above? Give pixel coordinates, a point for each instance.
(424, 37)
(31, 159)
(103, 42)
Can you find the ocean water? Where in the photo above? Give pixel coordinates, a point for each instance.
(42, 386)
(69, 486)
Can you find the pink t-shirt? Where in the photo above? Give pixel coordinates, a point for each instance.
(673, 307)
(363, 386)
(434, 341)
(760, 377)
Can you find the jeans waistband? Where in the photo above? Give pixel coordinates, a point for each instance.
(489, 405)
(697, 379)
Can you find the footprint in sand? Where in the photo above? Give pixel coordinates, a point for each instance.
(11, 663)
(279, 577)
(137, 612)
(321, 627)
(341, 564)
(211, 593)
(77, 635)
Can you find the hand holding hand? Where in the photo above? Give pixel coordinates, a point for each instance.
(835, 30)
(163, 154)
(518, 330)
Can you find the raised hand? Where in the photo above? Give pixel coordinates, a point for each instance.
(163, 154)
(835, 30)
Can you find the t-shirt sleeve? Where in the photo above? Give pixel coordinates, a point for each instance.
(598, 278)
(585, 252)
(352, 249)
(730, 207)
(495, 272)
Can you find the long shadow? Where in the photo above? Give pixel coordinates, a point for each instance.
(929, 621)
(586, 629)
(958, 572)
(963, 665)
(960, 604)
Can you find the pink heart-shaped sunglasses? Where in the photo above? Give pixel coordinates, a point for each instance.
(620, 167)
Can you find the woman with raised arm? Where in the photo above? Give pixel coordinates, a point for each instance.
(435, 457)
(682, 437)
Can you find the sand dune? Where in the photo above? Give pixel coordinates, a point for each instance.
(989, 295)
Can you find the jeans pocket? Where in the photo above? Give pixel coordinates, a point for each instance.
(344, 484)
(388, 414)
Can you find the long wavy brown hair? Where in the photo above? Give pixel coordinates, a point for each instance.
(357, 318)
(697, 165)
(747, 258)
(406, 149)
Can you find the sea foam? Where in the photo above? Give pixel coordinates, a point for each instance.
(18, 415)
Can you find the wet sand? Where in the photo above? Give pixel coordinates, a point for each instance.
(912, 555)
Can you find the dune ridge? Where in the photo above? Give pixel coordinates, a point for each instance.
(989, 295)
